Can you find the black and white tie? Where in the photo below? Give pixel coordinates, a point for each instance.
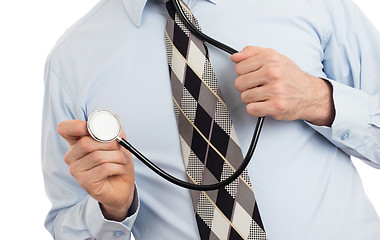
(210, 147)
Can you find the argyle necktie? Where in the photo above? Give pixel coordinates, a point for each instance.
(210, 147)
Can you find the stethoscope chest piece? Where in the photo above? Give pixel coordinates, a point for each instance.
(104, 126)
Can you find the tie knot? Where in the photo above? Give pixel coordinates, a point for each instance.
(170, 7)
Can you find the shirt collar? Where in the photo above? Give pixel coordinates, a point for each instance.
(135, 9)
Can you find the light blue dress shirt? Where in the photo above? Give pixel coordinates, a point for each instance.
(305, 183)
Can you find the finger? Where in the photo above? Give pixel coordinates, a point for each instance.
(72, 130)
(102, 172)
(247, 52)
(97, 158)
(250, 80)
(249, 65)
(257, 94)
(274, 108)
(87, 145)
(258, 109)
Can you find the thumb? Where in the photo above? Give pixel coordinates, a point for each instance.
(72, 130)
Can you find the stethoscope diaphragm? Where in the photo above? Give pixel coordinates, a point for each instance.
(104, 126)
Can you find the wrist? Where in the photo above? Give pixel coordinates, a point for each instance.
(321, 109)
(117, 212)
(114, 213)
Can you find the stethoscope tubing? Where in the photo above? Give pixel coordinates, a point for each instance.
(193, 186)
(251, 149)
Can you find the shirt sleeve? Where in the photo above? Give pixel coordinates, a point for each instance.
(74, 214)
(352, 65)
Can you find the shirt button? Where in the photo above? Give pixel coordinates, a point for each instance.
(117, 234)
(345, 135)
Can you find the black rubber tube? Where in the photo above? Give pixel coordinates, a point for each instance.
(193, 186)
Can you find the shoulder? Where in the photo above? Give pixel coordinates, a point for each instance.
(84, 46)
(88, 31)
(76, 27)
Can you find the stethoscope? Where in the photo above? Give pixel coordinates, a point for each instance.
(104, 126)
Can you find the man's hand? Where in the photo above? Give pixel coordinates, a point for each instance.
(104, 170)
(271, 84)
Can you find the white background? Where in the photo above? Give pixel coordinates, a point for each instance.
(28, 30)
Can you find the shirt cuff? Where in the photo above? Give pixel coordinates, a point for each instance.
(101, 228)
(351, 117)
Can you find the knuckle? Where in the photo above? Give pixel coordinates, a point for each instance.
(244, 97)
(97, 157)
(82, 179)
(73, 172)
(250, 110)
(272, 56)
(119, 157)
(271, 51)
(85, 144)
(277, 89)
(278, 116)
(239, 69)
(248, 48)
(106, 167)
(280, 109)
(114, 145)
(60, 128)
(67, 158)
(128, 157)
(275, 58)
(255, 111)
(123, 158)
(238, 84)
(275, 73)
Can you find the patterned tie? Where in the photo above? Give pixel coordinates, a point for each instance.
(210, 147)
